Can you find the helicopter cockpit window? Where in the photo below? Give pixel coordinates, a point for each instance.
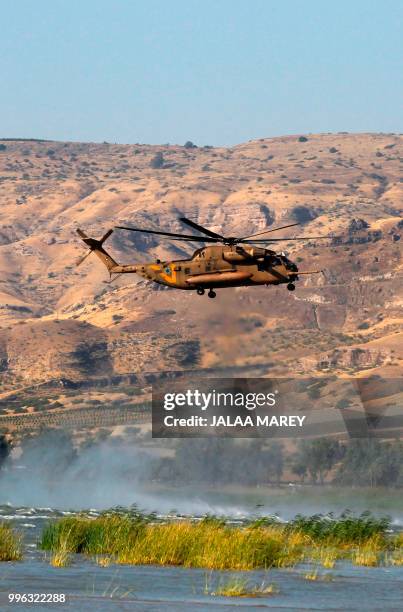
(187, 270)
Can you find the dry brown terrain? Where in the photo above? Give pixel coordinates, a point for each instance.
(59, 321)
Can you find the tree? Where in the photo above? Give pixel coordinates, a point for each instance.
(317, 457)
(223, 461)
(298, 468)
(157, 161)
(5, 448)
(190, 145)
(51, 452)
(371, 462)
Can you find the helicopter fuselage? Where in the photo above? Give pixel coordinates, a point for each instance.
(219, 266)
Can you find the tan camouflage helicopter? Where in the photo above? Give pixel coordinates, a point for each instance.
(225, 262)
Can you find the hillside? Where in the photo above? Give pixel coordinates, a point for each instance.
(58, 321)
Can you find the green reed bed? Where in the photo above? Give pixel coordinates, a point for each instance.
(10, 543)
(212, 543)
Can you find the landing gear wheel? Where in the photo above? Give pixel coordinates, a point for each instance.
(211, 294)
(200, 291)
(291, 287)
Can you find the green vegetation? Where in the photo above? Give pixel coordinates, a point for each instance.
(370, 462)
(238, 586)
(157, 161)
(139, 539)
(357, 462)
(10, 544)
(5, 448)
(345, 530)
(195, 462)
(316, 457)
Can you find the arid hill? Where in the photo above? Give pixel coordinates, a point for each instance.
(58, 320)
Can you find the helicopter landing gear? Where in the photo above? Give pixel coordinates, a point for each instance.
(200, 291)
(291, 287)
(211, 294)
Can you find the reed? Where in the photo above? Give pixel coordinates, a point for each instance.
(345, 530)
(314, 575)
(214, 544)
(237, 586)
(10, 543)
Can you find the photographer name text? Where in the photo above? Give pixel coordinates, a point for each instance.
(235, 421)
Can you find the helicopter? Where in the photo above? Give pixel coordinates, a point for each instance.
(224, 262)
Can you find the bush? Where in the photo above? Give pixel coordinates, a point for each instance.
(303, 214)
(3, 147)
(190, 145)
(302, 139)
(157, 161)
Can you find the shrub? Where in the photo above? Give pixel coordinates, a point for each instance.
(303, 214)
(157, 161)
(302, 139)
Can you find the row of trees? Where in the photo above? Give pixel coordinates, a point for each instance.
(222, 460)
(362, 462)
(358, 462)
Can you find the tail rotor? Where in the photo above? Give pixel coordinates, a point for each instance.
(92, 243)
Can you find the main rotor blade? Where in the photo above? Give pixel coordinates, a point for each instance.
(200, 228)
(167, 234)
(198, 239)
(289, 239)
(269, 230)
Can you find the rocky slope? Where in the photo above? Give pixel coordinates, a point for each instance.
(58, 320)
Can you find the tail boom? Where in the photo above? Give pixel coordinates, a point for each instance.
(95, 246)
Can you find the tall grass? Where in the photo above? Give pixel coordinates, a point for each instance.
(213, 544)
(239, 586)
(345, 530)
(10, 544)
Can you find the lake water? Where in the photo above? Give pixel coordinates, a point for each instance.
(158, 589)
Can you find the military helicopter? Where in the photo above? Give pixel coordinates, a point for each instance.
(225, 262)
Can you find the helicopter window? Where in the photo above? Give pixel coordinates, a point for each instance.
(198, 254)
(187, 270)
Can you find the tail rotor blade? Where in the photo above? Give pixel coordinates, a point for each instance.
(106, 236)
(81, 259)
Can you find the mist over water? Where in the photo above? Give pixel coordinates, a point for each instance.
(114, 472)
